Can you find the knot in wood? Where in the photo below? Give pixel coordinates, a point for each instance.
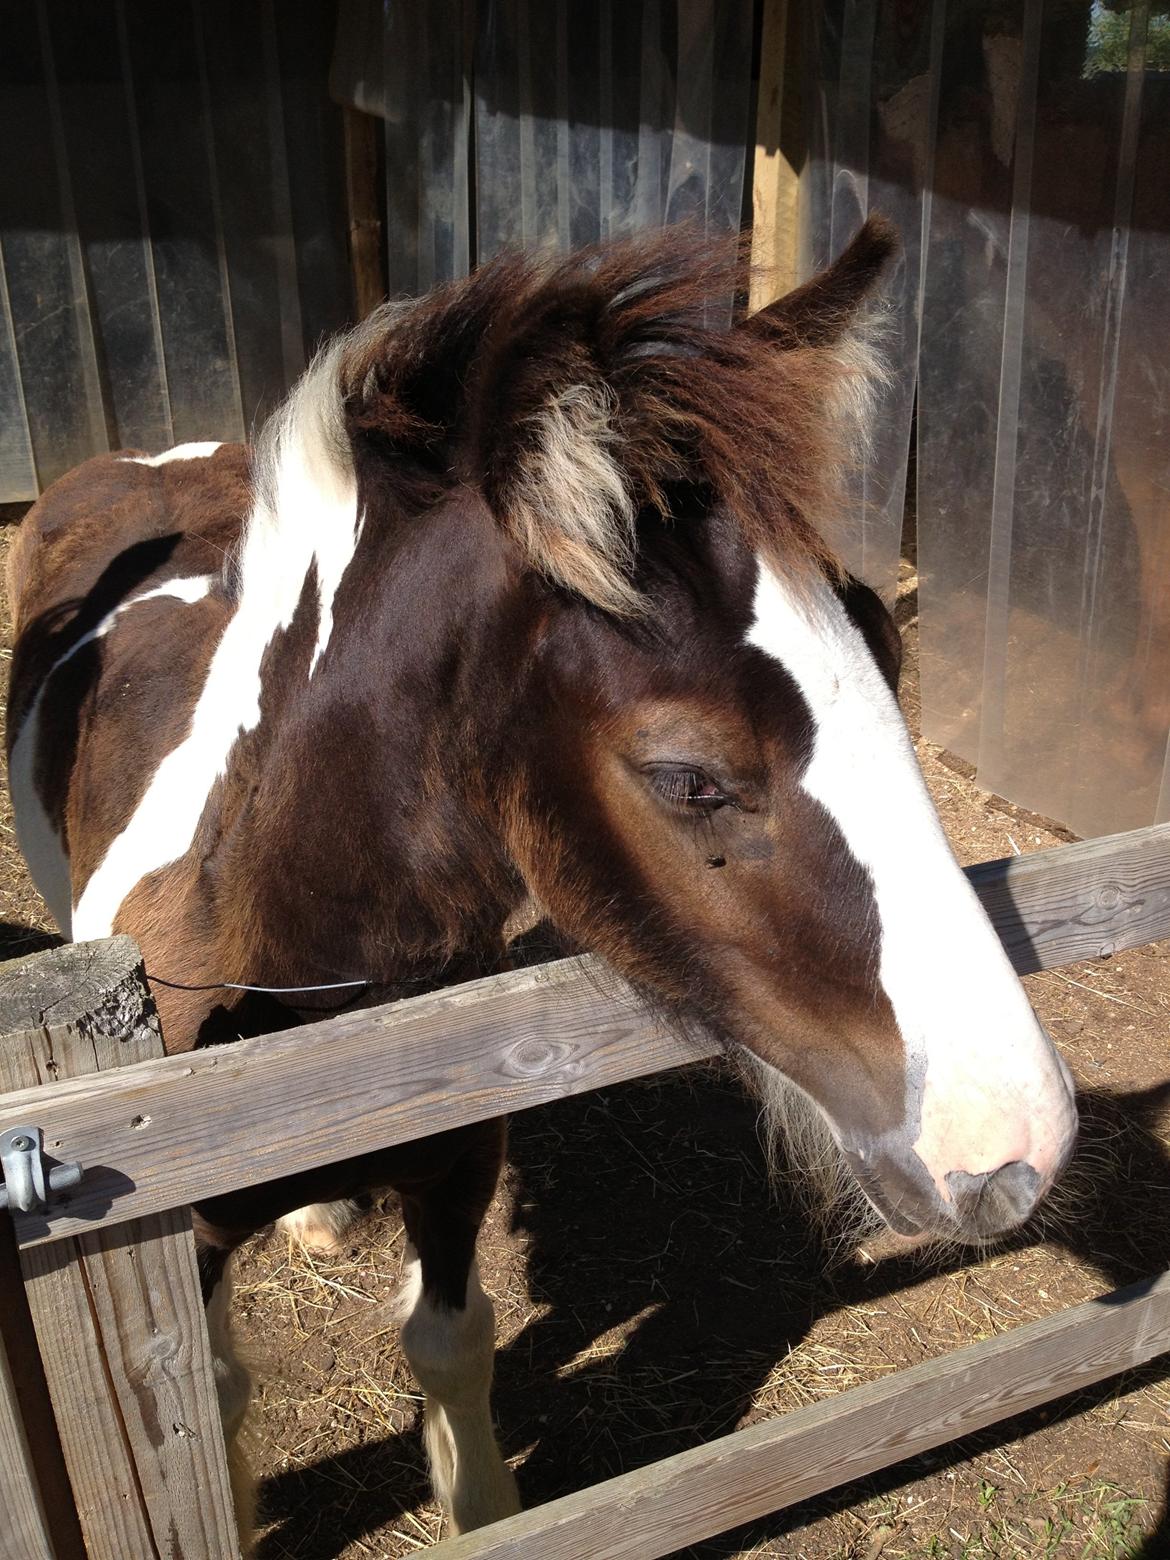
(533, 1058)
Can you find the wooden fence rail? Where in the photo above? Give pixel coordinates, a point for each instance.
(111, 1287)
(162, 1133)
(737, 1478)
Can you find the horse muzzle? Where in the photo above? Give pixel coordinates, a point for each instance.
(976, 1208)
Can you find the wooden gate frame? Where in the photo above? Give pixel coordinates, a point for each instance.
(112, 1291)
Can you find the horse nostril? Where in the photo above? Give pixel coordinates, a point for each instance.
(998, 1200)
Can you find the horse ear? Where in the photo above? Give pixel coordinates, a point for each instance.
(820, 312)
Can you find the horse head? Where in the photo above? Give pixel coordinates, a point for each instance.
(565, 604)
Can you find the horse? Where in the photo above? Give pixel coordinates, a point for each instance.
(522, 609)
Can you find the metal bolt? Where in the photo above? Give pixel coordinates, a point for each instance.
(21, 1144)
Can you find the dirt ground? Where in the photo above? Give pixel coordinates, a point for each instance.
(652, 1293)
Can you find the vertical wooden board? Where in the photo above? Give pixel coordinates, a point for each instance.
(46, 1519)
(361, 195)
(44, 274)
(118, 1313)
(181, 180)
(26, 1533)
(101, 1468)
(143, 1287)
(104, 165)
(316, 166)
(776, 169)
(253, 190)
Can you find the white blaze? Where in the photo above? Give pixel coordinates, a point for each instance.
(994, 1089)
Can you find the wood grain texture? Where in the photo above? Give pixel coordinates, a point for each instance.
(1083, 901)
(28, 1390)
(88, 1000)
(158, 1134)
(707, 1489)
(778, 157)
(162, 1133)
(118, 1313)
(361, 196)
(24, 1525)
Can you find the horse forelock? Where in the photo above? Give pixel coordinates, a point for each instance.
(575, 395)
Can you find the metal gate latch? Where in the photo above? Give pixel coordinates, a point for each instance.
(26, 1187)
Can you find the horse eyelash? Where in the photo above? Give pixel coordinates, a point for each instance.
(679, 787)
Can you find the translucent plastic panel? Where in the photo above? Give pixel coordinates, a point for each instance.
(961, 359)
(1044, 464)
(871, 86)
(595, 119)
(18, 477)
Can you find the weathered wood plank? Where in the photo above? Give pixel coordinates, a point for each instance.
(361, 197)
(118, 1314)
(703, 1491)
(331, 1090)
(1083, 901)
(778, 157)
(25, 1525)
(282, 1103)
(34, 1448)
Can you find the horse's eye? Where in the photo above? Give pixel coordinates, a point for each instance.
(688, 789)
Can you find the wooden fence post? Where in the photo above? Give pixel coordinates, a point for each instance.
(779, 155)
(34, 1484)
(118, 1313)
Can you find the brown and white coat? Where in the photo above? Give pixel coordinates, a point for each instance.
(522, 606)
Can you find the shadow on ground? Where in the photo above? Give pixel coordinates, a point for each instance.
(16, 940)
(648, 1205)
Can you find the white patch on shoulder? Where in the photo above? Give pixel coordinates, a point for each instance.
(304, 517)
(196, 451)
(994, 1089)
(39, 842)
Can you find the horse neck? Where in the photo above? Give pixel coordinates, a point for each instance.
(367, 844)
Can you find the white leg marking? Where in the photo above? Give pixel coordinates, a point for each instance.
(195, 451)
(39, 842)
(451, 1354)
(995, 1090)
(233, 1387)
(320, 1226)
(304, 515)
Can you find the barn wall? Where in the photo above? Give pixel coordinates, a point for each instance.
(1023, 148)
(548, 123)
(172, 223)
(171, 212)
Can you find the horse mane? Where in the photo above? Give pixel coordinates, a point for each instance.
(576, 394)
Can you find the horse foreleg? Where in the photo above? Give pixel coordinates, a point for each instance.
(448, 1338)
